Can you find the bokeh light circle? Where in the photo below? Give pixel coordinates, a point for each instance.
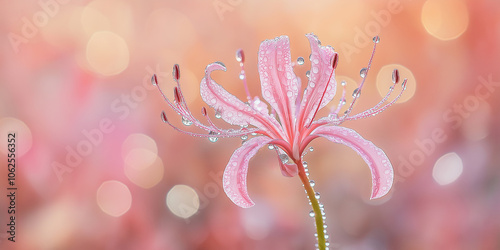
(445, 19)
(183, 201)
(114, 198)
(139, 141)
(384, 82)
(107, 53)
(23, 137)
(140, 170)
(447, 168)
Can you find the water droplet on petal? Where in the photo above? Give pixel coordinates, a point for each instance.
(343, 83)
(284, 158)
(308, 73)
(270, 146)
(240, 56)
(244, 137)
(186, 122)
(213, 138)
(312, 183)
(316, 195)
(363, 72)
(218, 114)
(311, 149)
(376, 39)
(356, 93)
(300, 60)
(304, 163)
(242, 75)
(312, 213)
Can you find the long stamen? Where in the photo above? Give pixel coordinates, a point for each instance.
(342, 100)
(240, 57)
(363, 73)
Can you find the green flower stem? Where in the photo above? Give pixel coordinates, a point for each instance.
(318, 217)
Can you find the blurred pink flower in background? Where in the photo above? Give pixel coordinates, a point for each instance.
(95, 171)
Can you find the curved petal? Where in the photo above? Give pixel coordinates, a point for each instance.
(232, 109)
(380, 166)
(279, 84)
(322, 85)
(235, 174)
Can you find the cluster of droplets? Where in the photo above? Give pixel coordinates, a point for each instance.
(180, 106)
(312, 214)
(381, 106)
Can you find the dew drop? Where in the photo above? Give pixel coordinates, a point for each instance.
(363, 72)
(186, 122)
(343, 83)
(242, 75)
(376, 39)
(284, 158)
(213, 138)
(308, 73)
(240, 56)
(316, 195)
(270, 146)
(312, 183)
(300, 60)
(311, 149)
(312, 213)
(244, 137)
(356, 93)
(342, 102)
(218, 114)
(304, 163)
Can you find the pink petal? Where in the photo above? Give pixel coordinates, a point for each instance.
(280, 86)
(288, 170)
(380, 166)
(322, 85)
(235, 174)
(232, 109)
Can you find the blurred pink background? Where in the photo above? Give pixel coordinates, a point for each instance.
(98, 169)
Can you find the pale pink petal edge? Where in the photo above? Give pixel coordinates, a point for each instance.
(235, 175)
(378, 162)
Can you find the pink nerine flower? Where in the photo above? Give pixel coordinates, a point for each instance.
(291, 125)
